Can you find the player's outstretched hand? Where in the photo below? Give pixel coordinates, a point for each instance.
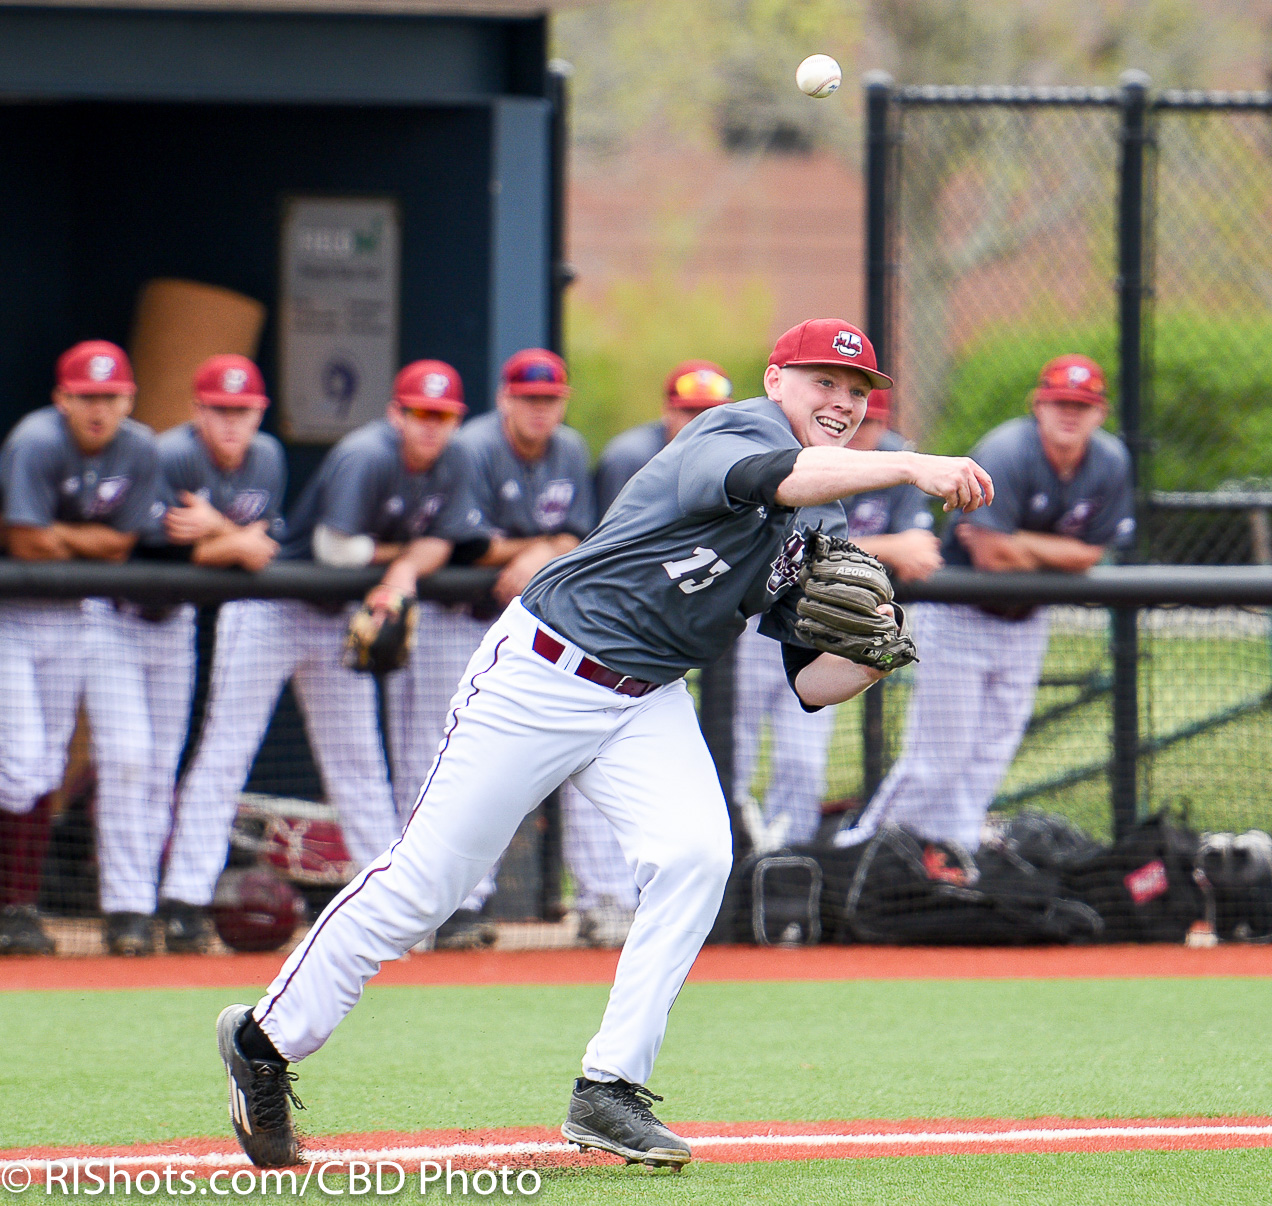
(958, 480)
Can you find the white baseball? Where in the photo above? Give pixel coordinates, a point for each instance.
(818, 75)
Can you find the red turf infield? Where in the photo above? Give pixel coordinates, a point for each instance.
(716, 963)
(724, 1142)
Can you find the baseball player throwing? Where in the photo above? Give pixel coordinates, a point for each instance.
(582, 678)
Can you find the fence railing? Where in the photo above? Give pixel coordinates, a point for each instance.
(1179, 716)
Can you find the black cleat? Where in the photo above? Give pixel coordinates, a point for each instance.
(261, 1097)
(615, 1117)
(22, 933)
(187, 929)
(130, 934)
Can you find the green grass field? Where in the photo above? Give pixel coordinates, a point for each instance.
(132, 1067)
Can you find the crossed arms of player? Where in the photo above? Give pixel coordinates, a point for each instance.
(1003, 552)
(215, 539)
(66, 541)
(822, 475)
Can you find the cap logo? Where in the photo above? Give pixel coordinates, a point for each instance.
(1079, 374)
(435, 385)
(538, 372)
(234, 380)
(846, 343)
(101, 368)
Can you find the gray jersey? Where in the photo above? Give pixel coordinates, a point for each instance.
(362, 488)
(1097, 506)
(46, 479)
(517, 499)
(252, 492)
(677, 566)
(887, 512)
(623, 456)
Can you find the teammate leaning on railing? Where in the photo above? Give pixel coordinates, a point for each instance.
(1063, 496)
(79, 480)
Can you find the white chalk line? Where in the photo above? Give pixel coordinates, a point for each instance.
(455, 1151)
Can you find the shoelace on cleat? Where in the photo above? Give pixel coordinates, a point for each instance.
(270, 1091)
(638, 1099)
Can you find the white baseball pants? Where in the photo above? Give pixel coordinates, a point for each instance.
(419, 699)
(972, 699)
(41, 678)
(520, 726)
(799, 741)
(260, 644)
(139, 679)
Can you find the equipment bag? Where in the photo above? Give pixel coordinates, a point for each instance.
(1146, 886)
(907, 890)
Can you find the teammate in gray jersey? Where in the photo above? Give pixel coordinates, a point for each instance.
(606, 893)
(78, 480)
(223, 482)
(1063, 497)
(691, 387)
(895, 525)
(531, 487)
(583, 679)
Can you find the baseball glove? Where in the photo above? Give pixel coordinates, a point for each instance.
(381, 632)
(843, 588)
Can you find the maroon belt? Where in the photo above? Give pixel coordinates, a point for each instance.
(551, 649)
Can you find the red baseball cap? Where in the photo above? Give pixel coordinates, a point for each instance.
(878, 406)
(696, 385)
(829, 341)
(230, 380)
(95, 367)
(429, 385)
(536, 371)
(1074, 379)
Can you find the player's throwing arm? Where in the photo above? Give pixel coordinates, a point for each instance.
(822, 475)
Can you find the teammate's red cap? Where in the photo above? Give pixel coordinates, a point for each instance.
(536, 371)
(829, 341)
(1074, 379)
(95, 367)
(230, 380)
(878, 406)
(429, 385)
(697, 384)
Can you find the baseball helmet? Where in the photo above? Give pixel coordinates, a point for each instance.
(254, 910)
(300, 839)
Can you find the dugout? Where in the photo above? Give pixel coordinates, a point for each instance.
(167, 140)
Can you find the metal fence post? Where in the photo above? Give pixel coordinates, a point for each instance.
(878, 86)
(1123, 778)
(562, 273)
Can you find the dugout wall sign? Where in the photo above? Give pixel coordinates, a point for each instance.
(339, 314)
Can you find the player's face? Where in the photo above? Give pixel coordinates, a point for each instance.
(425, 434)
(824, 403)
(93, 419)
(866, 438)
(531, 418)
(227, 432)
(1066, 426)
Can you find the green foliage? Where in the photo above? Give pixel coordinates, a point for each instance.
(621, 348)
(1209, 417)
